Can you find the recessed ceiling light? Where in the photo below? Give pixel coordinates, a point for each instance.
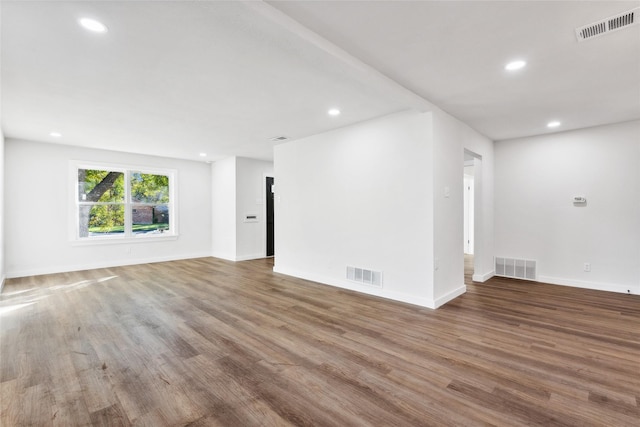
(203, 154)
(515, 65)
(553, 124)
(333, 112)
(55, 134)
(93, 25)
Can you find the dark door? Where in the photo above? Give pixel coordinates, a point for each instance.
(270, 224)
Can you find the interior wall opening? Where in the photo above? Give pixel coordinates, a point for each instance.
(472, 177)
(269, 215)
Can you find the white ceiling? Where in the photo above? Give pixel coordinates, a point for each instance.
(453, 53)
(183, 77)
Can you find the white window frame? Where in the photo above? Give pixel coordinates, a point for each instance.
(128, 236)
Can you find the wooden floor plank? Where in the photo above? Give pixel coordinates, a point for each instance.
(207, 342)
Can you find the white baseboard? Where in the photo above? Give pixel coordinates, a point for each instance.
(103, 264)
(483, 277)
(440, 301)
(250, 257)
(610, 287)
(226, 257)
(345, 284)
(237, 258)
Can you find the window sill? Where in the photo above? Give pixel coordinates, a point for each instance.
(116, 240)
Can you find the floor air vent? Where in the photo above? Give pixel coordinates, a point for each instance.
(361, 275)
(608, 25)
(516, 268)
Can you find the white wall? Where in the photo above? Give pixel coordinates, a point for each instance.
(359, 196)
(451, 138)
(2, 245)
(38, 209)
(223, 208)
(250, 199)
(384, 195)
(237, 190)
(536, 179)
(2, 173)
(467, 242)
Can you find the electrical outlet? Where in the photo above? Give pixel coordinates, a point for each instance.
(587, 267)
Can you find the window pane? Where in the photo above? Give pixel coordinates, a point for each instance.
(100, 186)
(101, 220)
(149, 188)
(150, 219)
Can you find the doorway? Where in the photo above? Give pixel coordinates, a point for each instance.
(270, 224)
(472, 181)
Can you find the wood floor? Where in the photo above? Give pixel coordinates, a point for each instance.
(206, 342)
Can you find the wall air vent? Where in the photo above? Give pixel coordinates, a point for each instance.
(279, 138)
(516, 268)
(608, 25)
(361, 275)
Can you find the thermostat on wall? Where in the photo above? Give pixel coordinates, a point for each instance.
(579, 199)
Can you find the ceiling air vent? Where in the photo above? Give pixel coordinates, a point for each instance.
(279, 138)
(608, 25)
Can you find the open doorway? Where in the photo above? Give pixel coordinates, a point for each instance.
(270, 217)
(472, 176)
